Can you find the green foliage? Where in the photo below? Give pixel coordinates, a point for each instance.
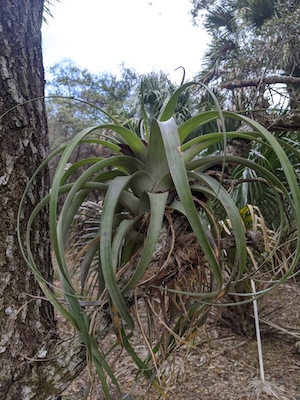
(150, 96)
(159, 244)
(266, 30)
(69, 83)
(77, 98)
(253, 190)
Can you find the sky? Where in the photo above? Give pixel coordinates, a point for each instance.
(144, 34)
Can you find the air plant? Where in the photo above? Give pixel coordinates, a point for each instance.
(159, 257)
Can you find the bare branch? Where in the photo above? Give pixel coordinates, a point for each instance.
(275, 123)
(269, 80)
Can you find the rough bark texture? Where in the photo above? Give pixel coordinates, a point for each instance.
(27, 326)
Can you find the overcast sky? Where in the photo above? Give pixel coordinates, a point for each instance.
(145, 34)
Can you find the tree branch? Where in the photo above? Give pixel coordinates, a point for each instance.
(275, 123)
(268, 80)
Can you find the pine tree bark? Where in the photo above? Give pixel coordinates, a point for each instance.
(27, 324)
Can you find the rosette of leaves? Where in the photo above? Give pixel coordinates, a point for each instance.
(160, 255)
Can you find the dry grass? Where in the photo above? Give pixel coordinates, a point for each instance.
(219, 364)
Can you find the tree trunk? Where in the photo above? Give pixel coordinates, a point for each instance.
(27, 324)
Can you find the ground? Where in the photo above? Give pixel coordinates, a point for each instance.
(222, 364)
